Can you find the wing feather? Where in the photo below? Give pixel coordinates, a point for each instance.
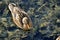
(18, 15)
(21, 15)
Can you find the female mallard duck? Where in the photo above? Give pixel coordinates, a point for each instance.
(20, 17)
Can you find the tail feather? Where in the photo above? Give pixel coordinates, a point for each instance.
(26, 27)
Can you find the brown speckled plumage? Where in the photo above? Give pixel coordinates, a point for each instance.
(20, 17)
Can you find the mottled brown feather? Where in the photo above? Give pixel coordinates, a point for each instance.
(18, 14)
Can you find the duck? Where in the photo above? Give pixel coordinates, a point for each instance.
(21, 19)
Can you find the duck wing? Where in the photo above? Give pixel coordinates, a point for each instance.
(20, 15)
